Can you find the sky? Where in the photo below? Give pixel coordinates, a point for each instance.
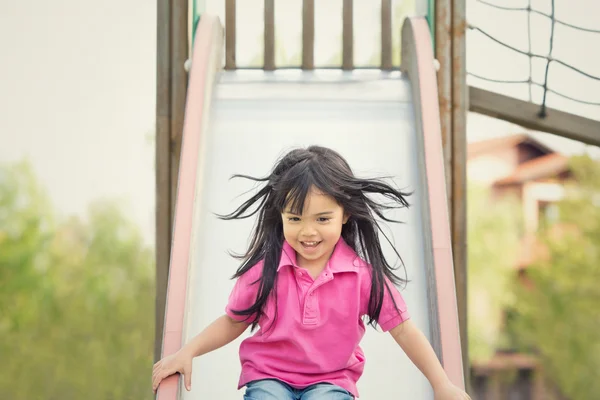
(78, 79)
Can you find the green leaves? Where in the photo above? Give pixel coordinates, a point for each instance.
(77, 299)
(557, 314)
(493, 240)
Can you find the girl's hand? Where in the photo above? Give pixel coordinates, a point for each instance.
(449, 392)
(180, 362)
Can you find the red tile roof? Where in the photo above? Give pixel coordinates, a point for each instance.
(542, 167)
(492, 145)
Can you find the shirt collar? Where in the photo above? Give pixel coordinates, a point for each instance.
(343, 258)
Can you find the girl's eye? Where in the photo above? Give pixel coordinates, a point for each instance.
(324, 219)
(293, 219)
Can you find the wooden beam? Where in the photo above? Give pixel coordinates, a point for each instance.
(230, 62)
(443, 53)
(163, 166)
(179, 79)
(459, 173)
(453, 99)
(526, 114)
(171, 85)
(347, 36)
(269, 53)
(308, 34)
(386, 35)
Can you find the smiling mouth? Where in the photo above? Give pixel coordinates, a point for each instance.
(310, 245)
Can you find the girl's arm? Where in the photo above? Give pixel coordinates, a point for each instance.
(417, 348)
(221, 332)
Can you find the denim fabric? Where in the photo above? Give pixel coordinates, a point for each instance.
(270, 389)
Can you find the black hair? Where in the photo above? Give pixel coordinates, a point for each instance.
(288, 185)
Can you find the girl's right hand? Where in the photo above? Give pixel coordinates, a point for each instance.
(180, 362)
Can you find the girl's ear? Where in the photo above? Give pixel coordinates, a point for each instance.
(346, 218)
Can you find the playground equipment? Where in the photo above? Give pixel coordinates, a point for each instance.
(240, 122)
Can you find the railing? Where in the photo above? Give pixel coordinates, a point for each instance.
(390, 25)
(308, 35)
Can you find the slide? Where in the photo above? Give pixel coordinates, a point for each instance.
(241, 122)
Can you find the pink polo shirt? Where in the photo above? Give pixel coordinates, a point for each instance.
(318, 328)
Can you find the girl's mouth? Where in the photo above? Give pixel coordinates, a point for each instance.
(310, 245)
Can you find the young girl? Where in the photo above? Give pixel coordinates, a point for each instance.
(313, 270)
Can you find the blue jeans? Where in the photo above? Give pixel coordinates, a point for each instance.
(271, 389)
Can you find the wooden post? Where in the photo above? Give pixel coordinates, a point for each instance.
(459, 172)
(386, 35)
(443, 54)
(347, 36)
(269, 53)
(308, 34)
(171, 85)
(163, 128)
(179, 54)
(450, 52)
(230, 62)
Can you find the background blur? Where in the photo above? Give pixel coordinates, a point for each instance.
(77, 194)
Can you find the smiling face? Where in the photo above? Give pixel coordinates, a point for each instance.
(314, 234)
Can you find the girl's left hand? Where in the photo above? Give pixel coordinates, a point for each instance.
(450, 392)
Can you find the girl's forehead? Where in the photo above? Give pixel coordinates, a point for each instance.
(317, 201)
(311, 194)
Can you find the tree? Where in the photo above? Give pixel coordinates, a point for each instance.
(557, 312)
(493, 237)
(79, 295)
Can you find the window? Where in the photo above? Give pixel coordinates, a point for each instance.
(548, 214)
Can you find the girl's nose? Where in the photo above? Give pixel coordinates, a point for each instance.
(308, 231)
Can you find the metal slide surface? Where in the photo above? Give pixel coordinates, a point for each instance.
(371, 123)
(253, 118)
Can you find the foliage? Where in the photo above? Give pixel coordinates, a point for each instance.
(76, 298)
(557, 313)
(493, 237)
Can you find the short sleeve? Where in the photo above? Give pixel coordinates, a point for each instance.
(392, 315)
(243, 294)
(394, 310)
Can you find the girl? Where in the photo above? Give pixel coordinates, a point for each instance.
(314, 268)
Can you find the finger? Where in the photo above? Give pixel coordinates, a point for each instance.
(155, 381)
(157, 366)
(187, 377)
(158, 379)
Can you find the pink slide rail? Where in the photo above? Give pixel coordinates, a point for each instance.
(418, 63)
(206, 62)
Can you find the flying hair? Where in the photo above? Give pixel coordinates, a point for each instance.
(286, 188)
